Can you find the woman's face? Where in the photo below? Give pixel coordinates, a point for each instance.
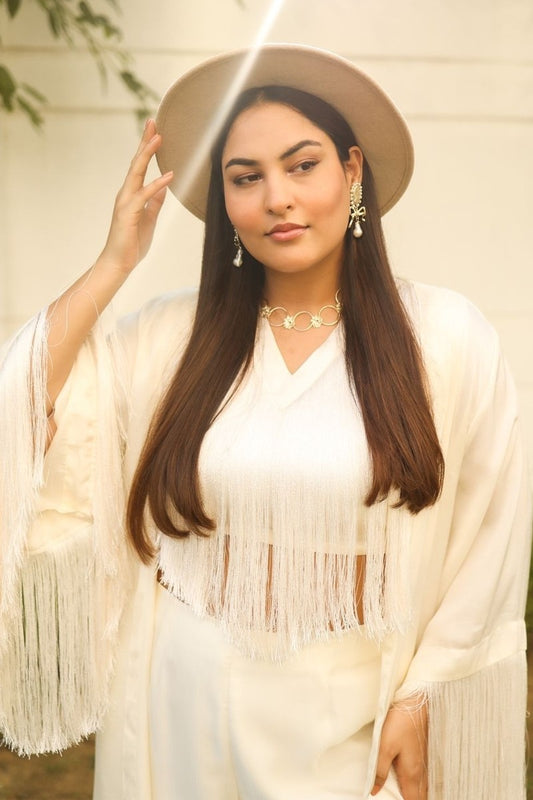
(286, 191)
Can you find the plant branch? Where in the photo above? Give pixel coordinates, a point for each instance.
(77, 22)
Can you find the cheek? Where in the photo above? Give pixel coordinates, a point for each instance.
(335, 198)
(241, 211)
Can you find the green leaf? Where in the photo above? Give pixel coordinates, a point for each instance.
(87, 16)
(31, 90)
(73, 21)
(13, 7)
(131, 81)
(33, 114)
(8, 88)
(86, 13)
(107, 26)
(109, 29)
(54, 21)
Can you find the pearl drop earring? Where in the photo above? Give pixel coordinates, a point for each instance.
(357, 211)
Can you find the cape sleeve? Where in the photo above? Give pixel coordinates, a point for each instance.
(470, 663)
(63, 557)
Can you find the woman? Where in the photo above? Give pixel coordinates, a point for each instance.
(323, 562)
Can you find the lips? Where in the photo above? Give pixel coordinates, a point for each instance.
(286, 231)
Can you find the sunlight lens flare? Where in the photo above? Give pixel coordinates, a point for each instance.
(206, 142)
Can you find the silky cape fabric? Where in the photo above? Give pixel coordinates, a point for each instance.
(77, 608)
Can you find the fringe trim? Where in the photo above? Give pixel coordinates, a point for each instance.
(476, 736)
(23, 432)
(59, 608)
(272, 599)
(57, 662)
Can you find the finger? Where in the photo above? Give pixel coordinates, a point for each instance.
(149, 221)
(382, 772)
(151, 212)
(153, 190)
(149, 143)
(131, 209)
(136, 174)
(146, 136)
(155, 203)
(379, 783)
(139, 164)
(149, 130)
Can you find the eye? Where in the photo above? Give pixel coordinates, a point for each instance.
(246, 180)
(305, 166)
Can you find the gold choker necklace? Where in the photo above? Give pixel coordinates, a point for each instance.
(279, 317)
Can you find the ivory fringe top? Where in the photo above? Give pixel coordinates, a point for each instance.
(284, 470)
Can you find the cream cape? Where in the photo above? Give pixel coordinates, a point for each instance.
(77, 609)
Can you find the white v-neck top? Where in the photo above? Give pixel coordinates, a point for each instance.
(284, 470)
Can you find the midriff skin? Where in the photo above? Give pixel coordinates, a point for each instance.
(358, 589)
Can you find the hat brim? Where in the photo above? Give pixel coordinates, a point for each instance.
(193, 111)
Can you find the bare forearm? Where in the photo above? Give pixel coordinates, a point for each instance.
(71, 318)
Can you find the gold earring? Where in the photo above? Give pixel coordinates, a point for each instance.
(357, 211)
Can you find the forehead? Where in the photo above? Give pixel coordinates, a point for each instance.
(271, 125)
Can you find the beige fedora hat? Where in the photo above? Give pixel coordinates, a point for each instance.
(194, 109)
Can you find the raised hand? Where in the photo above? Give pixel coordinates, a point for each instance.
(136, 208)
(135, 213)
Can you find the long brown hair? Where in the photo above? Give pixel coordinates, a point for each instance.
(383, 359)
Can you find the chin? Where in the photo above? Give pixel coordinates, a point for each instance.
(286, 261)
(288, 268)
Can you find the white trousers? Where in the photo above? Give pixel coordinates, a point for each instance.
(225, 727)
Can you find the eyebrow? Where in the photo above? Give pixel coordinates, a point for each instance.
(250, 162)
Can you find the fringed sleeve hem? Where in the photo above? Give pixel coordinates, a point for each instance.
(64, 563)
(476, 733)
(469, 658)
(56, 664)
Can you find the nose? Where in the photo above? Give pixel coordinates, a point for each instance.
(278, 195)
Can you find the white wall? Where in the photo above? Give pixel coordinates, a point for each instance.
(462, 72)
